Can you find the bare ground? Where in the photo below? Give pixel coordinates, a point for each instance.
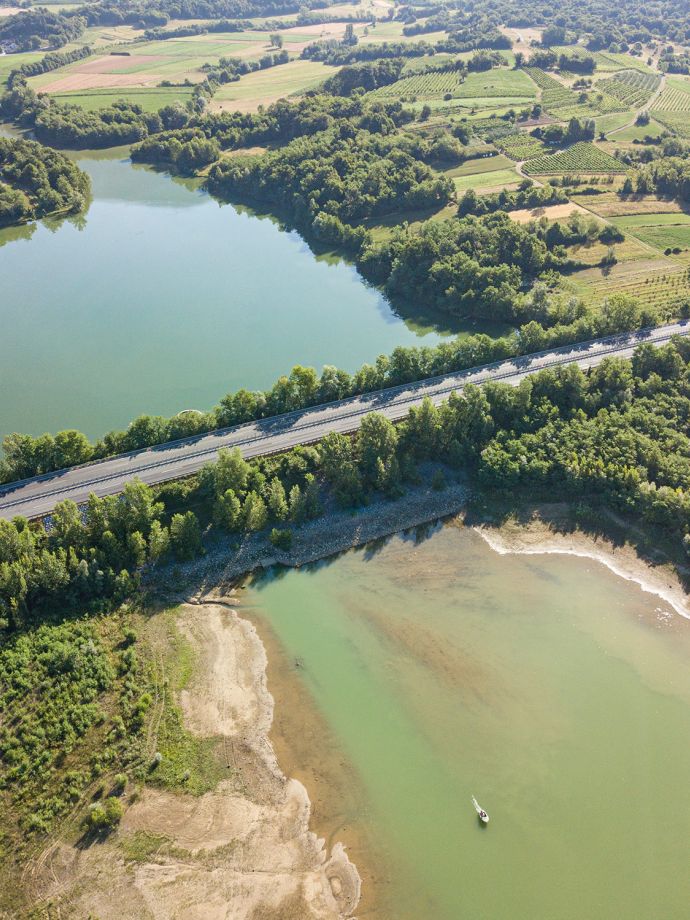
(552, 212)
(241, 852)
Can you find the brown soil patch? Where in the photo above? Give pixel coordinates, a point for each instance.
(521, 38)
(111, 62)
(76, 81)
(552, 212)
(242, 851)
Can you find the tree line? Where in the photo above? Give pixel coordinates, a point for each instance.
(616, 435)
(40, 28)
(552, 319)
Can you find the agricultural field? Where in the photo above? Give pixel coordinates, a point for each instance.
(675, 97)
(582, 158)
(607, 61)
(492, 173)
(151, 99)
(178, 60)
(521, 146)
(424, 85)
(631, 87)
(498, 84)
(611, 124)
(266, 86)
(558, 99)
(657, 282)
(609, 204)
(662, 231)
(638, 133)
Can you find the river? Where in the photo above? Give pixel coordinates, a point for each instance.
(159, 299)
(554, 691)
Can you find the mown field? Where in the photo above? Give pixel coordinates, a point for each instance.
(266, 86)
(150, 99)
(663, 231)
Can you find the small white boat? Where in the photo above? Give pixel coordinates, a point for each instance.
(480, 811)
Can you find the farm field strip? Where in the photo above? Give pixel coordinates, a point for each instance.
(582, 157)
(495, 179)
(631, 87)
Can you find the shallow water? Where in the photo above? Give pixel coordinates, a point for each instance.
(553, 690)
(159, 299)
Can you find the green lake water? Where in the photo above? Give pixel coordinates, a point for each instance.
(556, 692)
(159, 299)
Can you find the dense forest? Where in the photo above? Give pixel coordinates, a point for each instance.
(39, 28)
(36, 181)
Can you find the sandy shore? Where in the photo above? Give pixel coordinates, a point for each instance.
(545, 534)
(243, 851)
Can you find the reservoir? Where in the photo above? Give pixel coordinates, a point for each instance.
(159, 299)
(553, 690)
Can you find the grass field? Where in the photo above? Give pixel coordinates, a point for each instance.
(663, 231)
(149, 98)
(9, 62)
(606, 61)
(493, 179)
(638, 132)
(266, 86)
(580, 158)
(608, 123)
(480, 165)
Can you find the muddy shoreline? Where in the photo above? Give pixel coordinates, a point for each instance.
(292, 736)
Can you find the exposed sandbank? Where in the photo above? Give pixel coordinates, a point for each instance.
(540, 535)
(243, 851)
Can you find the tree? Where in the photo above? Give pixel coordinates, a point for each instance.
(105, 816)
(230, 472)
(340, 468)
(423, 429)
(67, 528)
(377, 442)
(254, 512)
(296, 504)
(276, 40)
(277, 501)
(228, 510)
(159, 541)
(185, 536)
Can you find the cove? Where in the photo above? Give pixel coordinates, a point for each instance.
(556, 692)
(159, 299)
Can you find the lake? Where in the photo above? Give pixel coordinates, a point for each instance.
(554, 691)
(159, 299)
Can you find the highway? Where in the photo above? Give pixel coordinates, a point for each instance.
(36, 497)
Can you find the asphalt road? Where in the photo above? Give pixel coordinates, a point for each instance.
(36, 497)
